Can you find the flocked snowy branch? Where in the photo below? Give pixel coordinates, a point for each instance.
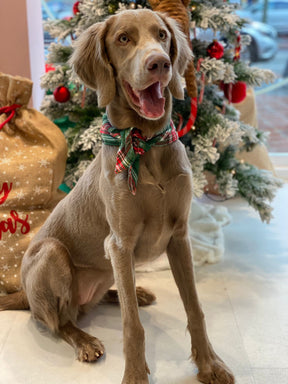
(218, 18)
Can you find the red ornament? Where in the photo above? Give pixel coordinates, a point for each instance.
(49, 67)
(76, 7)
(215, 50)
(235, 93)
(61, 94)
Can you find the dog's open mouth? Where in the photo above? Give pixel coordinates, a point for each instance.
(150, 100)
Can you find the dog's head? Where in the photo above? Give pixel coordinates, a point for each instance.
(138, 53)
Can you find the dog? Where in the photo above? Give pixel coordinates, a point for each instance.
(124, 210)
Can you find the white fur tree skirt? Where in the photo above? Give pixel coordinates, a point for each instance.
(206, 234)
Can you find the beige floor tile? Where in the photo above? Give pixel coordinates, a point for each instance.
(270, 376)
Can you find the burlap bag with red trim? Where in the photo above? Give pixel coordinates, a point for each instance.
(32, 163)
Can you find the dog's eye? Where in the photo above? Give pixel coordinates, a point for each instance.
(162, 34)
(123, 38)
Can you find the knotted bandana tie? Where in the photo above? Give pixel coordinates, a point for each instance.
(132, 145)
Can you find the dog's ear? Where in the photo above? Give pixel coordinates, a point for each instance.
(180, 55)
(89, 60)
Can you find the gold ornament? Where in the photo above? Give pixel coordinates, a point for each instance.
(132, 5)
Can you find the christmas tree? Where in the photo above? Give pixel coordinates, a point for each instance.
(217, 133)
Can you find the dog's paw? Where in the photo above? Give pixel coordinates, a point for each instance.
(144, 296)
(90, 351)
(216, 373)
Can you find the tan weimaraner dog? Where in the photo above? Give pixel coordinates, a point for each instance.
(115, 218)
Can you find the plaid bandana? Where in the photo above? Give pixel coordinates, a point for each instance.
(132, 145)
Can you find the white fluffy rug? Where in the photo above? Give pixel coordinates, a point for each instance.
(206, 235)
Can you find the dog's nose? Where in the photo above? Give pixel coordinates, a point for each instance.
(158, 63)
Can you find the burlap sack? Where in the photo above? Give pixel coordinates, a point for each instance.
(32, 163)
(259, 156)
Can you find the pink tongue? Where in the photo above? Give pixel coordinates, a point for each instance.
(151, 101)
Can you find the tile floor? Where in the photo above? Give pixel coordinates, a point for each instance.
(245, 298)
(273, 117)
(272, 106)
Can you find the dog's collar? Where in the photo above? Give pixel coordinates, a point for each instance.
(132, 145)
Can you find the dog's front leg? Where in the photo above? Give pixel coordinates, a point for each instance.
(211, 368)
(121, 255)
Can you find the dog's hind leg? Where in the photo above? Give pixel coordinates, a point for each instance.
(12, 301)
(87, 348)
(144, 297)
(49, 280)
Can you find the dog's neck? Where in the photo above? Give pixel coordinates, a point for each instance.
(122, 116)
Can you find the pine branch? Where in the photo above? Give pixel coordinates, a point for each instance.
(252, 75)
(218, 18)
(58, 53)
(258, 187)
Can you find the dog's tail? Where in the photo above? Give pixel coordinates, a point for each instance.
(17, 300)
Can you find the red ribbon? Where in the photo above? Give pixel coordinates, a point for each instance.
(10, 109)
(194, 106)
(193, 113)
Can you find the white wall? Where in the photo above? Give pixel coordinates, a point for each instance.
(36, 48)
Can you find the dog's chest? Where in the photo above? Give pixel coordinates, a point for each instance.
(165, 189)
(160, 166)
(155, 233)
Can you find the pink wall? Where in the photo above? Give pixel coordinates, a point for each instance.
(14, 42)
(21, 42)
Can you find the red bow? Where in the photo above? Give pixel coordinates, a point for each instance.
(12, 109)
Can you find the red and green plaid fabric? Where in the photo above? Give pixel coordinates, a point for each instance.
(132, 145)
